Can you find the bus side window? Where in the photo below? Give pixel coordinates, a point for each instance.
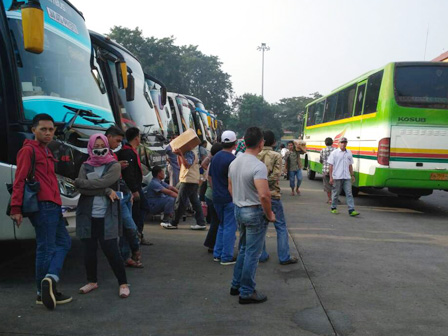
(330, 108)
(344, 107)
(360, 99)
(373, 92)
(319, 113)
(310, 115)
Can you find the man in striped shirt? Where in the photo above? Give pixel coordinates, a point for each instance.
(324, 155)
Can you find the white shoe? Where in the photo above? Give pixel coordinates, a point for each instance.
(168, 226)
(198, 227)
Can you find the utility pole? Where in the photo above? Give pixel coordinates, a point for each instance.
(262, 48)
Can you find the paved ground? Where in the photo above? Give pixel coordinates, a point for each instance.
(384, 273)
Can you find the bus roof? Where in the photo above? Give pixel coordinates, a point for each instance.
(109, 44)
(367, 74)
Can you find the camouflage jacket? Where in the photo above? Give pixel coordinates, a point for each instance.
(273, 162)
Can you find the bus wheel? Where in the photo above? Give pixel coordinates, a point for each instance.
(311, 174)
(355, 191)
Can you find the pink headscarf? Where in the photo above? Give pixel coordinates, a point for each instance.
(94, 160)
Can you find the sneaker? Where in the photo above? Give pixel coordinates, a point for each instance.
(198, 227)
(229, 262)
(354, 213)
(292, 260)
(217, 259)
(163, 223)
(60, 299)
(48, 288)
(254, 298)
(264, 260)
(234, 291)
(334, 211)
(169, 226)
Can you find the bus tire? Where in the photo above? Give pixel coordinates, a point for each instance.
(355, 191)
(311, 174)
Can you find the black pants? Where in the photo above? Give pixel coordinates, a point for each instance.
(110, 250)
(188, 191)
(214, 224)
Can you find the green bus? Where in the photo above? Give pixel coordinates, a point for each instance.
(396, 121)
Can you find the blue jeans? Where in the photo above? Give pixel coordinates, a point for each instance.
(52, 241)
(129, 241)
(253, 226)
(282, 233)
(346, 184)
(225, 238)
(162, 204)
(293, 175)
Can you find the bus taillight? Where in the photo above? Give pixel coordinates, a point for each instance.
(384, 151)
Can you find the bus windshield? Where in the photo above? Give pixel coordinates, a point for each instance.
(422, 86)
(141, 110)
(61, 73)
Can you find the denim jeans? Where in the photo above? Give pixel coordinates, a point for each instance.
(129, 241)
(282, 233)
(52, 241)
(210, 240)
(162, 204)
(225, 238)
(253, 226)
(346, 184)
(293, 176)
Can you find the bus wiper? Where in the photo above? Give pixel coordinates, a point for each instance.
(78, 113)
(97, 122)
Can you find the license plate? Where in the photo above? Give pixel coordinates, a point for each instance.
(439, 177)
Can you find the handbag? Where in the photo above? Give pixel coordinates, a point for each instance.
(30, 202)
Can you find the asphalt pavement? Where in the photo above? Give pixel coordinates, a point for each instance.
(382, 273)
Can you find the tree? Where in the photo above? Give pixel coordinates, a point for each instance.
(183, 69)
(252, 110)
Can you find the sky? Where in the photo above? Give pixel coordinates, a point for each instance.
(315, 45)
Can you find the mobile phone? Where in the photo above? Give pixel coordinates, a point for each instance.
(119, 194)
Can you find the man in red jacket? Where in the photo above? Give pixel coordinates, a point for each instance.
(52, 239)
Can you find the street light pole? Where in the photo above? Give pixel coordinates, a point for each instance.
(262, 48)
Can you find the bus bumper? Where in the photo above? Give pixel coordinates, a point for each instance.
(405, 178)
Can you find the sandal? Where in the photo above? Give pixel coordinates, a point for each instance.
(132, 263)
(124, 292)
(88, 288)
(137, 256)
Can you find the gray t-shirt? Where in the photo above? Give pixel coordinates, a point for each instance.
(99, 202)
(242, 172)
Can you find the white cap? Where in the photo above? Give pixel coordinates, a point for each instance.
(228, 137)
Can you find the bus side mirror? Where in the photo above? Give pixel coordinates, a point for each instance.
(163, 96)
(33, 27)
(199, 132)
(130, 90)
(124, 74)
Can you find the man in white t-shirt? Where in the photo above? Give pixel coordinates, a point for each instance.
(342, 176)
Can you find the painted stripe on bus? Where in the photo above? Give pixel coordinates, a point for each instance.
(419, 150)
(344, 121)
(409, 159)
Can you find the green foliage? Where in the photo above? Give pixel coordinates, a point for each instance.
(183, 69)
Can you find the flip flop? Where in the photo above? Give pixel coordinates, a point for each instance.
(88, 288)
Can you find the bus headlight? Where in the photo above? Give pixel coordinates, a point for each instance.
(67, 187)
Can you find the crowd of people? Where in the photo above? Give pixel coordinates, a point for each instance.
(238, 181)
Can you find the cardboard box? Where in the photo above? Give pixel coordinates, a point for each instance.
(300, 146)
(187, 141)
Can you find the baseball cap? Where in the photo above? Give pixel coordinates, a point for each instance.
(228, 137)
(343, 139)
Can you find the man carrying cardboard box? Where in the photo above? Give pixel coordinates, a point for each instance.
(188, 190)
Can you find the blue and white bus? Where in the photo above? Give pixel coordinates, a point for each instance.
(62, 80)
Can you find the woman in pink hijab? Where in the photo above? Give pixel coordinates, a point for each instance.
(97, 214)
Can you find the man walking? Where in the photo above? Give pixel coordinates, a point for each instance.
(342, 176)
(324, 155)
(273, 162)
(188, 190)
(52, 239)
(250, 190)
(222, 200)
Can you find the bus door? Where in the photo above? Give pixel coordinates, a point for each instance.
(355, 135)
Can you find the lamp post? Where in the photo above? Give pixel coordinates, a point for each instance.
(262, 48)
